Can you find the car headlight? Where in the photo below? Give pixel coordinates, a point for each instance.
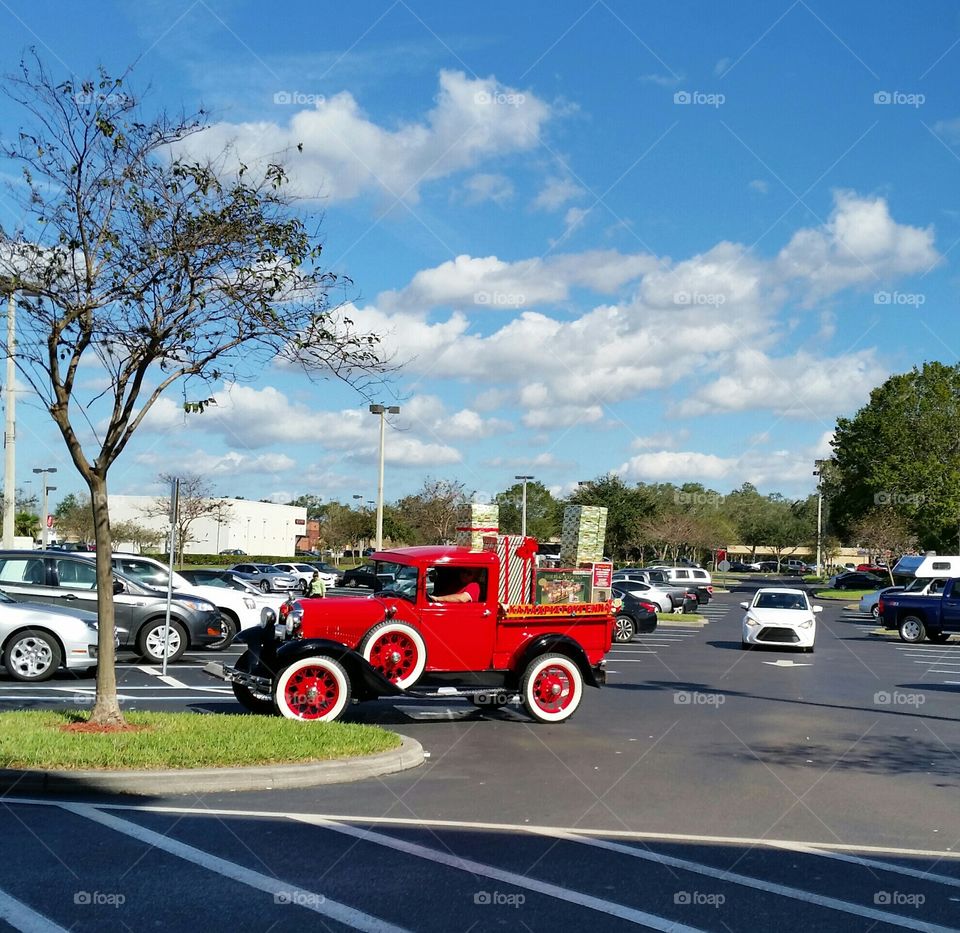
(294, 619)
(806, 623)
(750, 620)
(200, 605)
(249, 603)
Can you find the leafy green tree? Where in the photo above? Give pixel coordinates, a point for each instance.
(313, 504)
(544, 514)
(156, 270)
(901, 451)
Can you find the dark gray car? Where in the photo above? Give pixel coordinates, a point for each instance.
(60, 579)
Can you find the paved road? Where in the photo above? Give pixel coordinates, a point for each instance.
(704, 788)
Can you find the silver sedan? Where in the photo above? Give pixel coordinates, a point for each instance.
(38, 640)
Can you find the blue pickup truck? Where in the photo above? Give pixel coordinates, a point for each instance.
(920, 617)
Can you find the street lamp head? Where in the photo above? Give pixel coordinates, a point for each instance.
(357, 497)
(523, 477)
(394, 409)
(376, 409)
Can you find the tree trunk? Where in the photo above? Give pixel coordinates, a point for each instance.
(106, 709)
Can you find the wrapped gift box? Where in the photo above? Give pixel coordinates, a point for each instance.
(582, 535)
(516, 555)
(476, 521)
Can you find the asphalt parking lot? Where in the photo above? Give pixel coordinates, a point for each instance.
(703, 788)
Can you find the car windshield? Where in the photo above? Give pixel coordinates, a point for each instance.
(403, 584)
(780, 601)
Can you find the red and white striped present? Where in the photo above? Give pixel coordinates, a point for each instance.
(516, 554)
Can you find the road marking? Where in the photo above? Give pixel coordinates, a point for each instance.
(882, 866)
(786, 663)
(653, 921)
(770, 887)
(308, 900)
(24, 918)
(168, 679)
(752, 841)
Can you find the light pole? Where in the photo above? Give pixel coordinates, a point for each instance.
(382, 411)
(45, 531)
(818, 473)
(9, 431)
(523, 507)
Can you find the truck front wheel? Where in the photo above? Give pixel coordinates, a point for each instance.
(551, 688)
(313, 690)
(397, 651)
(912, 629)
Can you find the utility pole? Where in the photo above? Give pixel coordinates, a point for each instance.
(9, 433)
(523, 507)
(818, 473)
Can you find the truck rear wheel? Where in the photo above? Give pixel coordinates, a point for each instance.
(397, 651)
(912, 630)
(551, 688)
(312, 689)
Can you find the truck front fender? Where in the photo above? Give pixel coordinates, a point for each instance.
(366, 683)
(553, 643)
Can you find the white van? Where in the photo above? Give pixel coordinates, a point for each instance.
(691, 576)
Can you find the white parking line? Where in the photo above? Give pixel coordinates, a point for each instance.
(23, 918)
(653, 921)
(308, 900)
(166, 678)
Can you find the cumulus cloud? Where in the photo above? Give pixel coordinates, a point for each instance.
(860, 245)
(801, 385)
(344, 153)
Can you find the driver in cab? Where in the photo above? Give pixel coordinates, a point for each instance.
(467, 588)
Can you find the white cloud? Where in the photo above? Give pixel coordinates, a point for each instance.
(759, 185)
(230, 463)
(948, 130)
(802, 385)
(486, 281)
(860, 245)
(556, 193)
(663, 440)
(669, 80)
(345, 154)
(485, 187)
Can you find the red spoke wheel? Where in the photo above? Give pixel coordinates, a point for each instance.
(552, 687)
(313, 689)
(397, 651)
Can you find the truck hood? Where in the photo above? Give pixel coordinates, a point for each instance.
(348, 618)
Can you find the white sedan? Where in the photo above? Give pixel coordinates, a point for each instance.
(781, 617)
(652, 594)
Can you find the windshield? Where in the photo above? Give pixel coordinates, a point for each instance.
(404, 582)
(780, 601)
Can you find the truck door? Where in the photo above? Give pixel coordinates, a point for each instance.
(459, 636)
(950, 607)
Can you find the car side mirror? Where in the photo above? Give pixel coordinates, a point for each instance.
(818, 608)
(744, 605)
(118, 588)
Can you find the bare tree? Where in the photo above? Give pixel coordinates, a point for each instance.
(196, 500)
(432, 513)
(156, 270)
(886, 534)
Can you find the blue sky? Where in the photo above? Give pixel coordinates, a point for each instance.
(675, 241)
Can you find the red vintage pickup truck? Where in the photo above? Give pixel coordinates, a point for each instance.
(321, 653)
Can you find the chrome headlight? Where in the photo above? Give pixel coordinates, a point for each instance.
(294, 619)
(267, 616)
